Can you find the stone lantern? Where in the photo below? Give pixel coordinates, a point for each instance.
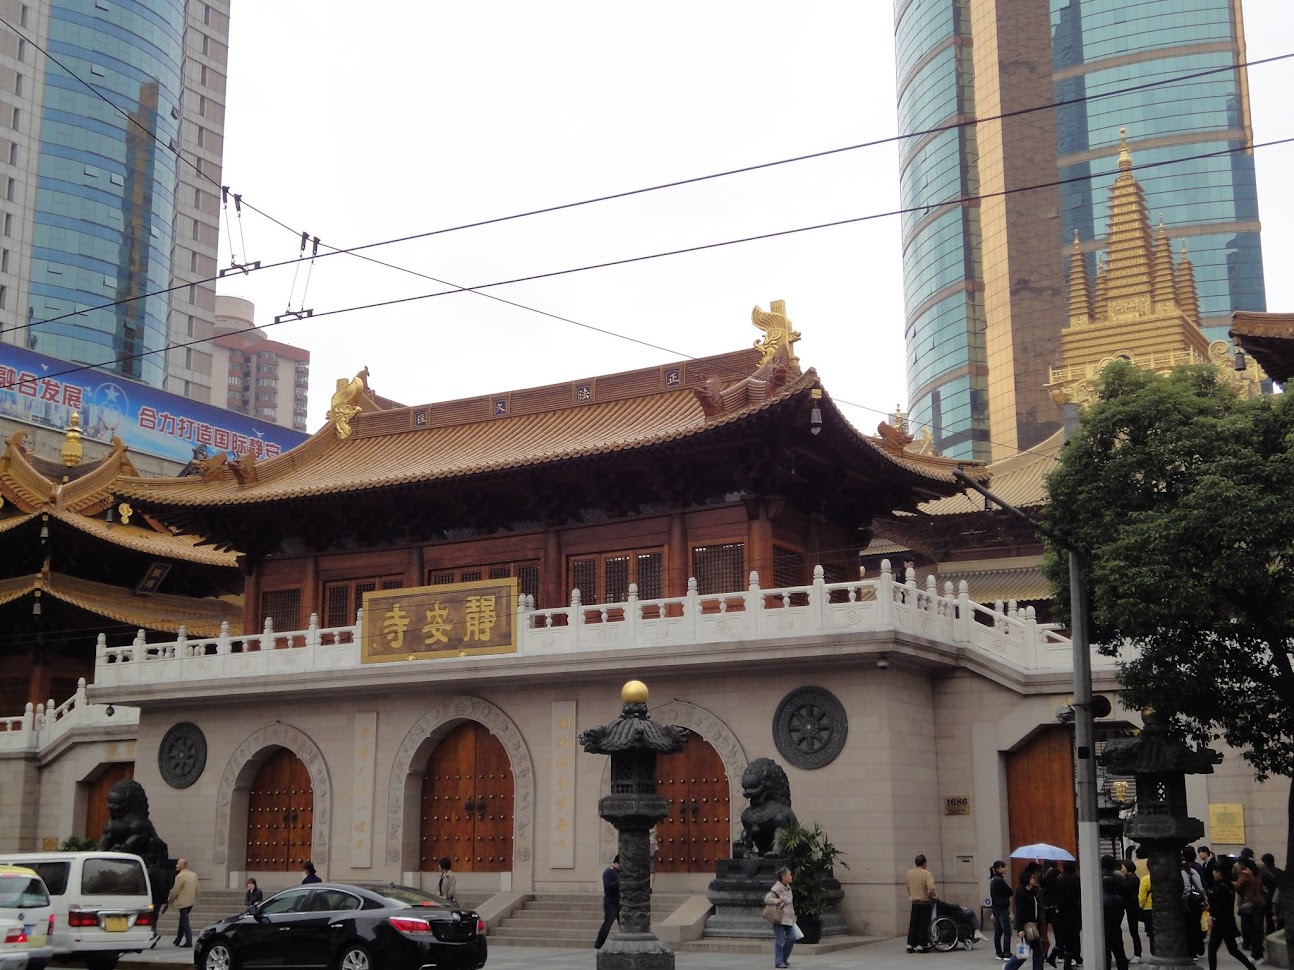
(633, 741)
(1160, 762)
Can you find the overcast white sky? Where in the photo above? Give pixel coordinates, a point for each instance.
(429, 114)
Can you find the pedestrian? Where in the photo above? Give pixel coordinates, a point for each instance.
(1249, 889)
(447, 887)
(1146, 902)
(1195, 903)
(311, 876)
(653, 853)
(1068, 919)
(785, 932)
(1112, 911)
(1222, 902)
(1207, 860)
(610, 900)
(183, 894)
(999, 897)
(1129, 884)
(253, 895)
(1271, 886)
(922, 896)
(1028, 917)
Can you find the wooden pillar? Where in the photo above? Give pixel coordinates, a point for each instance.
(759, 545)
(38, 684)
(678, 566)
(414, 572)
(252, 623)
(812, 547)
(310, 590)
(552, 572)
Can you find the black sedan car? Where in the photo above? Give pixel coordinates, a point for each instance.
(347, 928)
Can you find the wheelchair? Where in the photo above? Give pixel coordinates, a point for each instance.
(952, 925)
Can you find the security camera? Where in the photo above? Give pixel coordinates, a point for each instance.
(882, 664)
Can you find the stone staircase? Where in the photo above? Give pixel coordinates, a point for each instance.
(212, 905)
(567, 919)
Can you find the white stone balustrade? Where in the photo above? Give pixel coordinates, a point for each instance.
(41, 725)
(1004, 632)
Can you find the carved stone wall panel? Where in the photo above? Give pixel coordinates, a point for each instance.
(438, 720)
(810, 727)
(240, 772)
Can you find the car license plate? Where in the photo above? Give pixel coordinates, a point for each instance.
(115, 924)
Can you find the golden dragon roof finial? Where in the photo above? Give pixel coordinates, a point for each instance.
(343, 402)
(778, 334)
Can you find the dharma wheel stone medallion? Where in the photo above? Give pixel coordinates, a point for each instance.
(810, 727)
(182, 755)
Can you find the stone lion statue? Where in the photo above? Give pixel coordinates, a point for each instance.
(129, 828)
(766, 787)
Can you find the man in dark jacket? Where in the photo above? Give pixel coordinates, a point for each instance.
(1064, 896)
(1112, 910)
(610, 900)
(999, 895)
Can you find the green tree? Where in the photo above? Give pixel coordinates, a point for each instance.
(1182, 497)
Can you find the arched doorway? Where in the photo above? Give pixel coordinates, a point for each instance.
(696, 832)
(467, 803)
(280, 814)
(1039, 787)
(96, 796)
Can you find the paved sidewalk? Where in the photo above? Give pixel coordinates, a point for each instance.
(880, 955)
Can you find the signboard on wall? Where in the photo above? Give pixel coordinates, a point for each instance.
(957, 805)
(1226, 824)
(44, 391)
(453, 620)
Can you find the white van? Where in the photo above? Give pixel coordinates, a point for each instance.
(102, 903)
(24, 899)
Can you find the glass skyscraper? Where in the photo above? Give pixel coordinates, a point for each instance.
(100, 213)
(984, 279)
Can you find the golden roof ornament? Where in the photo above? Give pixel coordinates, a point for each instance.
(778, 334)
(124, 512)
(343, 402)
(73, 450)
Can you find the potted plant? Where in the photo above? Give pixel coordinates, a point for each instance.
(812, 858)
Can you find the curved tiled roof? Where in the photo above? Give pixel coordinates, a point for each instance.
(163, 545)
(386, 450)
(160, 611)
(1020, 480)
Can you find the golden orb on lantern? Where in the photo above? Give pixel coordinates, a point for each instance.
(634, 692)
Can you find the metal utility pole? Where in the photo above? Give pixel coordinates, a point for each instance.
(1089, 856)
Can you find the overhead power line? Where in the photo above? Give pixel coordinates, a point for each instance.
(959, 200)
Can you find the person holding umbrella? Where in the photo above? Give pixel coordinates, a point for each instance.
(1028, 915)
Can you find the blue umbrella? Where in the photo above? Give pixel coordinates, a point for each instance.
(1041, 850)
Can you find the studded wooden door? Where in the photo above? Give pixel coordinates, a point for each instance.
(696, 832)
(280, 814)
(96, 797)
(467, 803)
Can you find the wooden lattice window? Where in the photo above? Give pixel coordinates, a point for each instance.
(283, 608)
(719, 569)
(788, 567)
(343, 600)
(527, 574)
(606, 578)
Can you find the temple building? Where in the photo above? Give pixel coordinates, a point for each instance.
(439, 598)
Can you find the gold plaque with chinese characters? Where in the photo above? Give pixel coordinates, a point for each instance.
(425, 622)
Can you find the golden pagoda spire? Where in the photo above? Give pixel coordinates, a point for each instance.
(1188, 300)
(1165, 282)
(73, 450)
(1128, 244)
(1080, 296)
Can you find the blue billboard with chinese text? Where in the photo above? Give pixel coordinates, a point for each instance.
(43, 391)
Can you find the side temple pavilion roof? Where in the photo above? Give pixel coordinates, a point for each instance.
(84, 497)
